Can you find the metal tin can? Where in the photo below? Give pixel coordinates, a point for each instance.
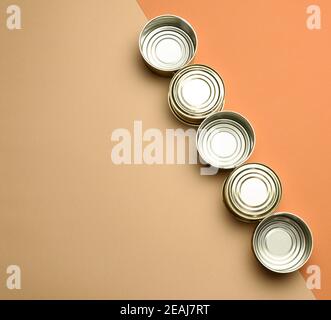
(195, 92)
(282, 242)
(252, 191)
(225, 139)
(167, 43)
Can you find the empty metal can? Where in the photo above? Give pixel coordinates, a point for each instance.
(195, 92)
(252, 191)
(167, 43)
(225, 139)
(282, 242)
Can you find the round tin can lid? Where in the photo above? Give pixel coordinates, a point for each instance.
(252, 191)
(195, 92)
(225, 139)
(167, 43)
(282, 242)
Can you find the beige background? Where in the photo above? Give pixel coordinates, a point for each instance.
(76, 224)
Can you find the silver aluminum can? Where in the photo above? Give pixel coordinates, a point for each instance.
(167, 43)
(225, 139)
(282, 242)
(252, 191)
(195, 92)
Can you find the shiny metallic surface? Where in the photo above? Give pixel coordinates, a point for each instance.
(167, 43)
(252, 191)
(225, 139)
(195, 92)
(282, 242)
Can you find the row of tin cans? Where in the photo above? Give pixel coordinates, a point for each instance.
(282, 242)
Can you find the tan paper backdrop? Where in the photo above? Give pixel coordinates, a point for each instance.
(78, 225)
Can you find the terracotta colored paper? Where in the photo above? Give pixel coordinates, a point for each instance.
(278, 73)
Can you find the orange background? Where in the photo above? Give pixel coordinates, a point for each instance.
(80, 226)
(278, 74)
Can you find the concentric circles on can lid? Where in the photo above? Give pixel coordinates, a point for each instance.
(167, 43)
(225, 139)
(282, 242)
(252, 191)
(195, 92)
